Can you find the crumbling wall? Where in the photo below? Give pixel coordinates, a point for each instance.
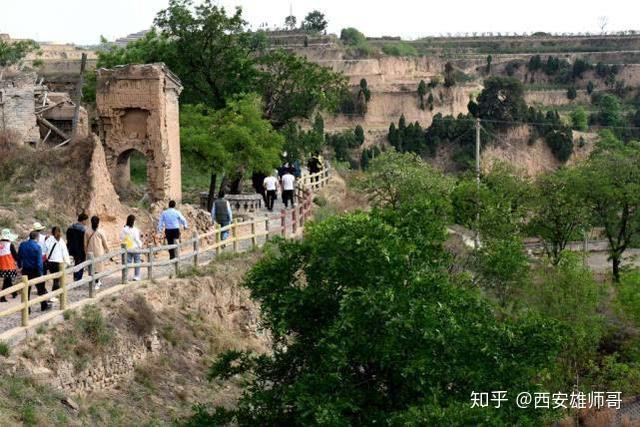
(137, 108)
(17, 108)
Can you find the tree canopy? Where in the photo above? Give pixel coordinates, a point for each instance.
(315, 21)
(368, 328)
(612, 191)
(217, 58)
(236, 140)
(13, 52)
(502, 101)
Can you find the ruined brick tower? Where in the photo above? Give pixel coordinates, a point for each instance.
(137, 109)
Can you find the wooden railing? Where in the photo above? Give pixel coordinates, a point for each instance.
(189, 251)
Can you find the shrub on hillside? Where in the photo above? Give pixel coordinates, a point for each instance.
(400, 48)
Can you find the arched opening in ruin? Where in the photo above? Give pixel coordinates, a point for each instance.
(133, 176)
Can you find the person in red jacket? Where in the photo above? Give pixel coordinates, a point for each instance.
(8, 260)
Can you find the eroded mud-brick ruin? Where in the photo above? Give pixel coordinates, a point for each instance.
(17, 107)
(137, 109)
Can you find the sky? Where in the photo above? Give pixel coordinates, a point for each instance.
(83, 21)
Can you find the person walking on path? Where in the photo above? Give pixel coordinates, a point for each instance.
(75, 242)
(42, 236)
(96, 243)
(132, 241)
(57, 256)
(30, 260)
(270, 184)
(288, 187)
(8, 260)
(170, 221)
(314, 165)
(257, 180)
(221, 214)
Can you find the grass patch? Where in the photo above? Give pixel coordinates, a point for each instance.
(5, 350)
(88, 336)
(28, 402)
(138, 168)
(7, 221)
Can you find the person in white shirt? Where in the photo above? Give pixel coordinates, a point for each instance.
(42, 237)
(270, 184)
(132, 240)
(288, 187)
(57, 255)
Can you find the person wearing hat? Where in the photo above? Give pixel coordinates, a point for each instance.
(42, 237)
(8, 260)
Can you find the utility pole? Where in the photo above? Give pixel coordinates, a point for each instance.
(477, 239)
(78, 98)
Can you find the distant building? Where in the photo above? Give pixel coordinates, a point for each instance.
(123, 41)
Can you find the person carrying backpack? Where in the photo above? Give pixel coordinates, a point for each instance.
(221, 214)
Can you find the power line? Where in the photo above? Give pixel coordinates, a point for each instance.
(513, 122)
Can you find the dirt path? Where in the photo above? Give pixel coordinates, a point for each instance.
(82, 292)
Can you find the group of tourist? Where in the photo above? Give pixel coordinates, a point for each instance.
(43, 253)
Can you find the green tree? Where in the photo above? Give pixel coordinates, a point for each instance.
(422, 91)
(290, 22)
(558, 211)
(351, 36)
(13, 52)
(502, 202)
(568, 294)
(359, 134)
(560, 141)
(579, 119)
(612, 190)
(392, 136)
(534, 64)
(395, 179)
(609, 110)
(497, 211)
(502, 101)
(368, 329)
(580, 66)
(209, 50)
(365, 158)
(235, 140)
(449, 75)
(590, 87)
(430, 101)
(488, 67)
(315, 21)
(318, 124)
(294, 87)
(572, 93)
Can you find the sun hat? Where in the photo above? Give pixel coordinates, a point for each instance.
(6, 234)
(38, 227)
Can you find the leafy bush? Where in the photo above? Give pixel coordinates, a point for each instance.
(399, 49)
(560, 141)
(628, 296)
(569, 294)
(352, 36)
(579, 119)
